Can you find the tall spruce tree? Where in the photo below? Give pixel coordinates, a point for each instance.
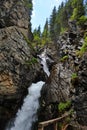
(45, 32)
(52, 24)
(78, 9)
(37, 37)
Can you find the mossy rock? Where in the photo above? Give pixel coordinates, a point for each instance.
(74, 78)
(64, 58)
(63, 106)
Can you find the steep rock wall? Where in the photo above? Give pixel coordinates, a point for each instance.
(18, 66)
(69, 44)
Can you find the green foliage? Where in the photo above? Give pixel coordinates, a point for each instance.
(74, 76)
(59, 19)
(26, 39)
(83, 48)
(71, 111)
(64, 58)
(58, 22)
(74, 15)
(28, 42)
(45, 33)
(37, 38)
(40, 39)
(52, 24)
(63, 30)
(78, 9)
(85, 6)
(45, 39)
(28, 4)
(68, 119)
(32, 61)
(63, 106)
(82, 20)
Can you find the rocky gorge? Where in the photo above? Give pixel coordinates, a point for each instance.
(67, 80)
(19, 67)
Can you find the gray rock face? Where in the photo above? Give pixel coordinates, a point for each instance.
(57, 86)
(55, 90)
(18, 68)
(61, 85)
(17, 71)
(52, 51)
(80, 103)
(13, 12)
(80, 106)
(15, 56)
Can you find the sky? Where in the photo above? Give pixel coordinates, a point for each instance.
(42, 9)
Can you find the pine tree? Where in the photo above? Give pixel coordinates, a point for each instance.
(37, 37)
(85, 5)
(52, 24)
(39, 31)
(45, 32)
(78, 9)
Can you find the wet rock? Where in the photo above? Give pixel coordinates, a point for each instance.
(50, 63)
(55, 90)
(17, 71)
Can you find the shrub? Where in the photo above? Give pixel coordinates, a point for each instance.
(63, 106)
(74, 76)
(63, 30)
(28, 42)
(64, 58)
(83, 48)
(82, 20)
(74, 79)
(32, 61)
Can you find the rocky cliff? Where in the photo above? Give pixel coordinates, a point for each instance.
(19, 66)
(68, 78)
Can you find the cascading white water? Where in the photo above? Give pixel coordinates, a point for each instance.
(43, 62)
(28, 113)
(45, 66)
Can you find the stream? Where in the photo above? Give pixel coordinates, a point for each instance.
(28, 112)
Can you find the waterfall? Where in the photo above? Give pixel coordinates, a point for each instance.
(28, 112)
(43, 58)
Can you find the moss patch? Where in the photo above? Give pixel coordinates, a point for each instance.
(64, 58)
(64, 106)
(74, 76)
(32, 61)
(83, 48)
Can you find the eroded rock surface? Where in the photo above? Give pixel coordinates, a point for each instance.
(17, 71)
(55, 90)
(13, 12)
(81, 92)
(61, 84)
